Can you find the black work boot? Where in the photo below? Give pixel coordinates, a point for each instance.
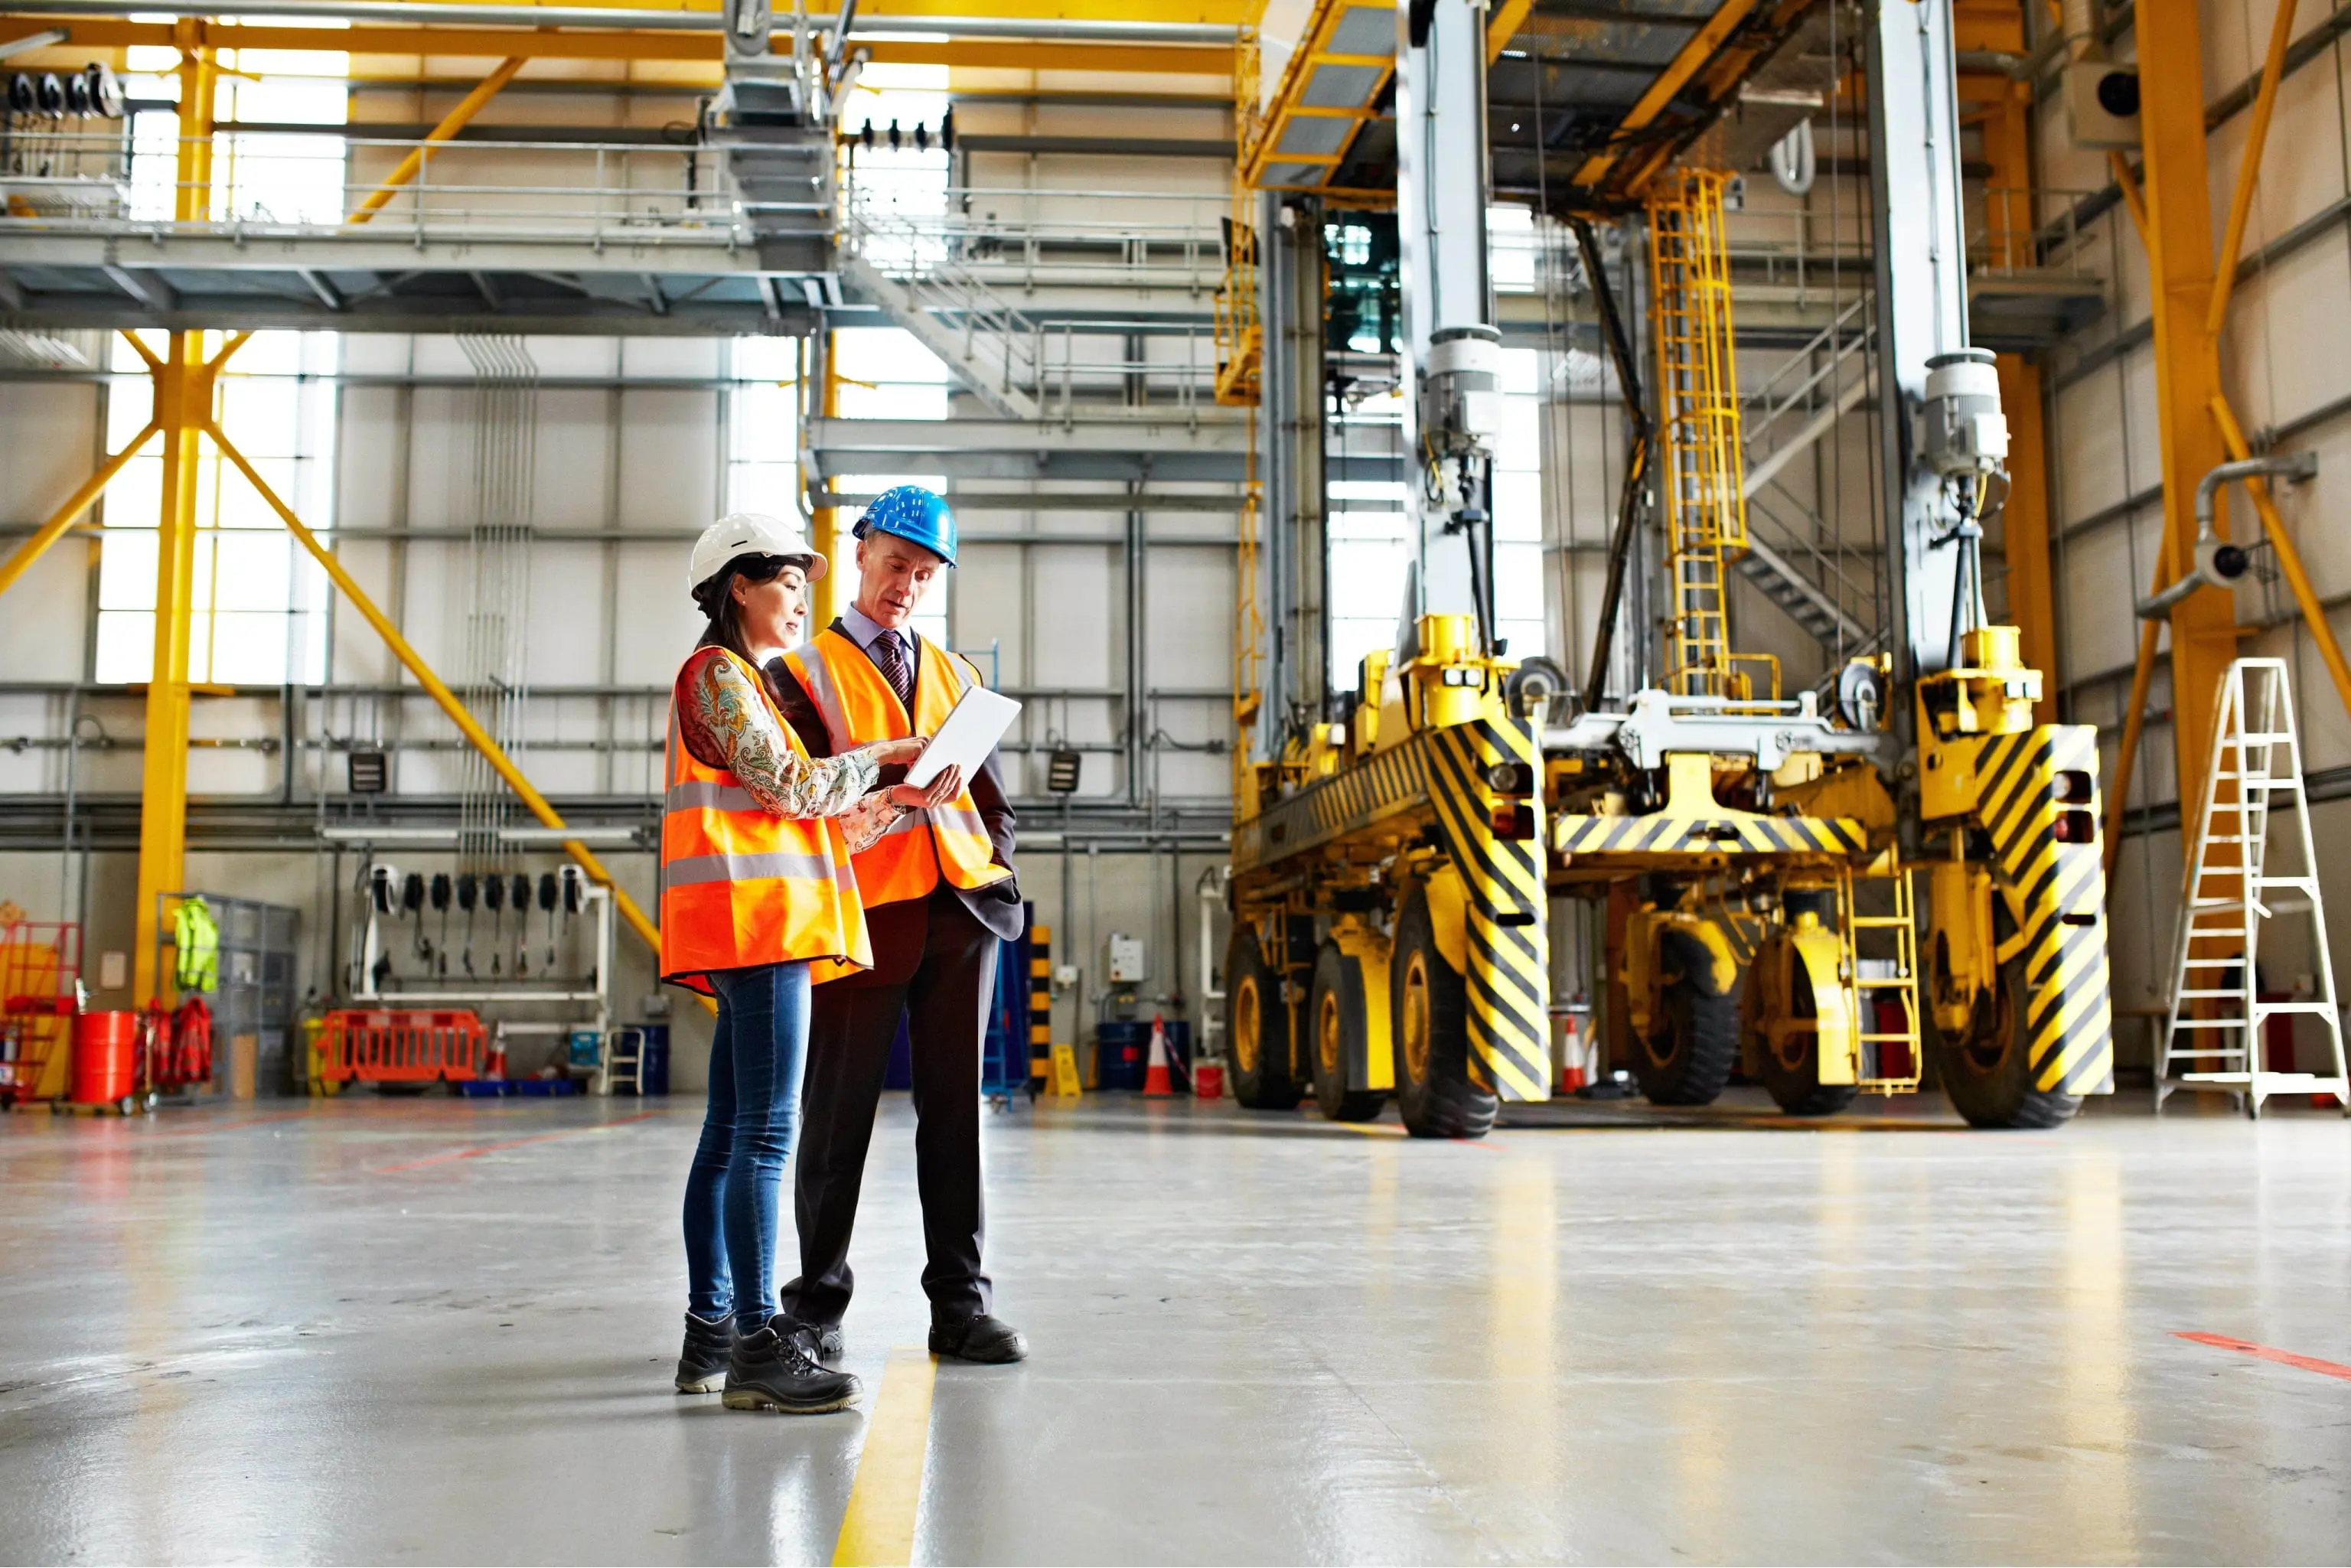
(768, 1372)
(702, 1364)
(818, 1342)
(980, 1338)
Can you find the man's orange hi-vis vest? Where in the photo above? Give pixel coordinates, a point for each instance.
(741, 886)
(860, 708)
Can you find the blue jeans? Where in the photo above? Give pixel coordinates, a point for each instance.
(735, 1188)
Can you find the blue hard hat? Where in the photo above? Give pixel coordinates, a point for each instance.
(914, 513)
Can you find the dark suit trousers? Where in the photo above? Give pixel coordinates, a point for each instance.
(944, 1000)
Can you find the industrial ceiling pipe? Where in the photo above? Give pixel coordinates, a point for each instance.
(425, 13)
(2219, 562)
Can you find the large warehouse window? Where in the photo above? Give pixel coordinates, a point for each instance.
(258, 602)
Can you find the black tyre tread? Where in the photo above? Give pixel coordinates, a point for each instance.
(1819, 1100)
(1333, 972)
(1450, 1105)
(1265, 1089)
(1703, 1026)
(2003, 1096)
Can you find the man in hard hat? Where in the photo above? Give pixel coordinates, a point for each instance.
(939, 894)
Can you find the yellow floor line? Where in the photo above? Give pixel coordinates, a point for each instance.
(879, 1526)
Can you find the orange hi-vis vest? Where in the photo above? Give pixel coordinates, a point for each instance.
(860, 708)
(741, 886)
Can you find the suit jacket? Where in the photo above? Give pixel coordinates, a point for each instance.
(900, 931)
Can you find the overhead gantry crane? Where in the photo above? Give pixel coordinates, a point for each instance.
(1757, 855)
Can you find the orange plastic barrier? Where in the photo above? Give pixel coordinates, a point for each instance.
(410, 1047)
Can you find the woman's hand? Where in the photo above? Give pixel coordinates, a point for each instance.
(891, 753)
(938, 793)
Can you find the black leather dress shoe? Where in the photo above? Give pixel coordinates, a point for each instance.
(982, 1339)
(818, 1342)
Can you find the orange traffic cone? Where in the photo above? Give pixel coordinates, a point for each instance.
(1154, 1076)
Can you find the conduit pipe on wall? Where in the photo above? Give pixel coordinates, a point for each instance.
(422, 13)
(2217, 561)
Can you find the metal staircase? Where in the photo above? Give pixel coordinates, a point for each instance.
(1801, 403)
(995, 351)
(2226, 900)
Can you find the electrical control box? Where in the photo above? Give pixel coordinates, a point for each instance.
(1123, 959)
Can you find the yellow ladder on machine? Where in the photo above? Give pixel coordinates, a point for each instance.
(1881, 959)
(1702, 465)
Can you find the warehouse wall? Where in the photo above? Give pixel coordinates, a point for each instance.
(2282, 358)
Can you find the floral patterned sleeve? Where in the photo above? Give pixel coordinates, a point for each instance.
(735, 722)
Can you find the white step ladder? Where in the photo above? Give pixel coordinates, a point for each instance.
(2216, 1013)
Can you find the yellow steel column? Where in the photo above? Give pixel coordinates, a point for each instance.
(199, 93)
(164, 779)
(2024, 521)
(2187, 368)
(825, 593)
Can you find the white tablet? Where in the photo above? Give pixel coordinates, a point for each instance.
(970, 733)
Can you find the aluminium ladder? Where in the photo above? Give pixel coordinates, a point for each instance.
(2226, 898)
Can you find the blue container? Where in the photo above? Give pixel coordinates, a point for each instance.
(655, 1071)
(1121, 1053)
(586, 1048)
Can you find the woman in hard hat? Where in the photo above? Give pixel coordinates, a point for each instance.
(755, 884)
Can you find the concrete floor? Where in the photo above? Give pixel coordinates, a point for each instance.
(442, 1331)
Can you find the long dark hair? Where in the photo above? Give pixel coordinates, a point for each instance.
(717, 598)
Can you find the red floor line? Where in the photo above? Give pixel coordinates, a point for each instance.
(2283, 1357)
(479, 1150)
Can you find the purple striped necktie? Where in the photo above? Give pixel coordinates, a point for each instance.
(890, 658)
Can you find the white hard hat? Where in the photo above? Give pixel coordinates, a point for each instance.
(747, 533)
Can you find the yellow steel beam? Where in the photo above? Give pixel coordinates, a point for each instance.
(2289, 559)
(2006, 131)
(2249, 174)
(183, 382)
(1508, 16)
(2204, 633)
(827, 520)
(49, 532)
(451, 123)
(1694, 55)
(1262, 131)
(199, 92)
(497, 43)
(436, 688)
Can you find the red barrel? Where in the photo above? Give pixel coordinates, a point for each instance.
(105, 1058)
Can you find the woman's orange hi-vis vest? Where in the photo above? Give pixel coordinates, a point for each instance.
(740, 885)
(860, 708)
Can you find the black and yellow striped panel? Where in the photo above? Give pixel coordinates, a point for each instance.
(2062, 889)
(1660, 832)
(1509, 970)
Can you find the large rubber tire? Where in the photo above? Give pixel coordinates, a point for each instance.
(1689, 1055)
(1335, 1029)
(1430, 1031)
(1257, 1028)
(1984, 1070)
(1793, 1080)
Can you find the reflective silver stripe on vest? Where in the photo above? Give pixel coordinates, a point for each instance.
(693, 870)
(703, 795)
(956, 818)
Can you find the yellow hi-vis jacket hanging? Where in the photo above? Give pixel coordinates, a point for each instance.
(195, 945)
(741, 886)
(860, 708)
